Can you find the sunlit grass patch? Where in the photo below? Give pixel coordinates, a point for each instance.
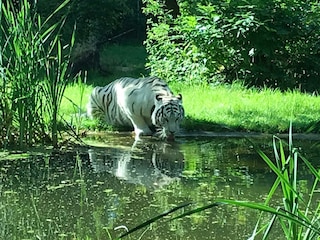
(238, 108)
(74, 99)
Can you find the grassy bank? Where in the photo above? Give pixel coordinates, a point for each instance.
(227, 108)
(235, 107)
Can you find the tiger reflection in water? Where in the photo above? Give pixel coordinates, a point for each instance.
(153, 165)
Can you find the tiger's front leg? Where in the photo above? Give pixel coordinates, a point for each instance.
(140, 127)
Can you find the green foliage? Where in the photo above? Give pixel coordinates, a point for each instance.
(170, 56)
(99, 22)
(34, 74)
(298, 214)
(297, 217)
(55, 83)
(266, 43)
(20, 54)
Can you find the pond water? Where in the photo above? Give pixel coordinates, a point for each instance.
(86, 193)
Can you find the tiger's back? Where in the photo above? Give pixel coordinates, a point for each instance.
(102, 105)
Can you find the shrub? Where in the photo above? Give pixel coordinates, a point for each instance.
(266, 43)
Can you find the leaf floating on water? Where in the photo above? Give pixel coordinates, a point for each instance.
(154, 205)
(58, 186)
(108, 190)
(126, 200)
(9, 192)
(13, 156)
(63, 235)
(121, 227)
(169, 191)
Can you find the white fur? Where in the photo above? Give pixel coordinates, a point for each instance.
(133, 101)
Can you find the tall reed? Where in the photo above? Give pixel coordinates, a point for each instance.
(33, 73)
(297, 217)
(57, 78)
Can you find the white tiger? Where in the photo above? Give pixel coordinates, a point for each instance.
(143, 103)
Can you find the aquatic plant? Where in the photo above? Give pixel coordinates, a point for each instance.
(34, 66)
(298, 215)
(76, 105)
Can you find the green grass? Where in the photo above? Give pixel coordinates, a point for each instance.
(72, 102)
(238, 108)
(233, 108)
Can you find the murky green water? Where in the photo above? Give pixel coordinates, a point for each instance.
(85, 194)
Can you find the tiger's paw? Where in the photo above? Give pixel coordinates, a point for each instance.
(142, 132)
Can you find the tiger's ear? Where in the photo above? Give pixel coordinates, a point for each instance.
(179, 96)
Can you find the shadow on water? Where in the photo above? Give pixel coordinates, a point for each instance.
(85, 193)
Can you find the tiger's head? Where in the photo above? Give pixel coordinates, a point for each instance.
(167, 115)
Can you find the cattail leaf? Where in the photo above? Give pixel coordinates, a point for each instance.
(58, 9)
(152, 220)
(196, 210)
(269, 227)
(301, 220)
(283, 180)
